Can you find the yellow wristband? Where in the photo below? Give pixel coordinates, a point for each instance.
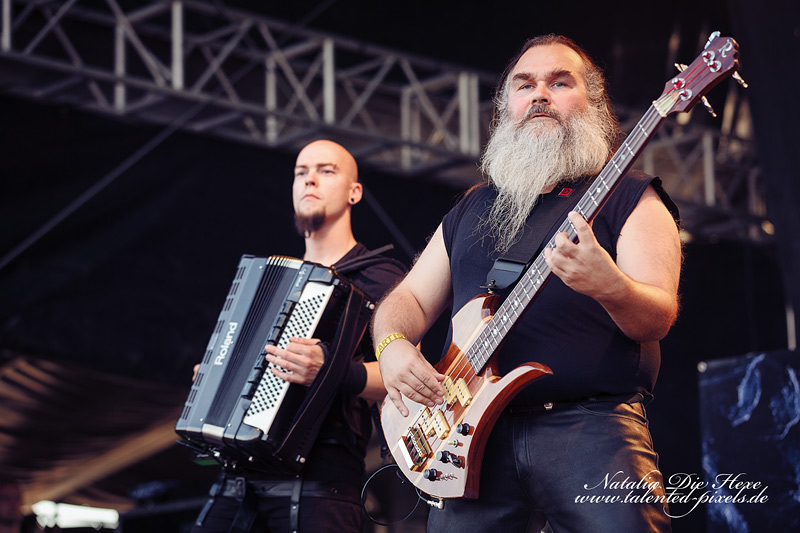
(385, 342)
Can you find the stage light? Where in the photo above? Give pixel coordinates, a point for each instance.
(63, 515)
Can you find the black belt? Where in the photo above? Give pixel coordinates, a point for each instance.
(526, 409)
(235, 488)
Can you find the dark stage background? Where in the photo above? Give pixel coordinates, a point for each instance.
(130, 285)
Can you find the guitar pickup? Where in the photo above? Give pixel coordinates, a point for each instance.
(434, 423)
(456, 390)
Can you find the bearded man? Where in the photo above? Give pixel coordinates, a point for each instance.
(570, 436)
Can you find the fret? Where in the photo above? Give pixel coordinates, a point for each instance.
(625, 145)
(473, 360)
(504, 329)
(594, 201)
(524, 288)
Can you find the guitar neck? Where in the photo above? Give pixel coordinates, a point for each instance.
(538, 273)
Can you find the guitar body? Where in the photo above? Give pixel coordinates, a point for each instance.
(415, 441)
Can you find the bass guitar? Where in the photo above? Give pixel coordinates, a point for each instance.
(440, 449)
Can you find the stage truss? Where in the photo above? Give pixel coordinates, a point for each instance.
(209, 69)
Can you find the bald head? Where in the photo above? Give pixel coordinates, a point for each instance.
(325, 185)
(335, 153)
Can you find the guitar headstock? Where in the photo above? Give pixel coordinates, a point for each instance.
(718, 60)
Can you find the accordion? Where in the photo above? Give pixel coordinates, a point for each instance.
(237, 409)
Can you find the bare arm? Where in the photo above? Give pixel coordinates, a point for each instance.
(410, 309)
(640, 290)
(374, 389)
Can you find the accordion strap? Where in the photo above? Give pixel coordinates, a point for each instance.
(365, 260)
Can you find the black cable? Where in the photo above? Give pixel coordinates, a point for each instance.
(402, 480)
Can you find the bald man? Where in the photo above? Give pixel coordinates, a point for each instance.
(326, 496)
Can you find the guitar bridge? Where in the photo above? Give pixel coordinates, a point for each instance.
(415, 448)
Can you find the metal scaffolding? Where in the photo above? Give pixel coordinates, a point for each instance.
(214, 70)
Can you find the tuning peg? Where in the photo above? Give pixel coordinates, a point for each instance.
(735, 76)
(708, 107)
(681, 67)
(711, 37)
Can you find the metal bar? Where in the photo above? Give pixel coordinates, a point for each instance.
(300, 91)
(464, 108)
(120, 90)
(76, 59)
(426, 104)
(58, 86)
(5, 35)
(282, 61)
(358, 108)
(177, 45)
(328, 82)
(156, 69)
(474, 112)
(51, 23)
(146, 12)
(708, 169)
(224, 53)
(220, 75)
(366, 66)
(216, 121)
(270, 100)
(361, 100)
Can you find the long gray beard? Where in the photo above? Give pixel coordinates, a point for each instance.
(527, 158)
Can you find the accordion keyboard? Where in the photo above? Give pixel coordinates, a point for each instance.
(302, 323)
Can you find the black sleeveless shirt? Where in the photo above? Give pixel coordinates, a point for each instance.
(567, 331)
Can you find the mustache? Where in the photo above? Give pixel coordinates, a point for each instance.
(541, 109)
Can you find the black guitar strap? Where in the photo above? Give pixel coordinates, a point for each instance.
(545, 218)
